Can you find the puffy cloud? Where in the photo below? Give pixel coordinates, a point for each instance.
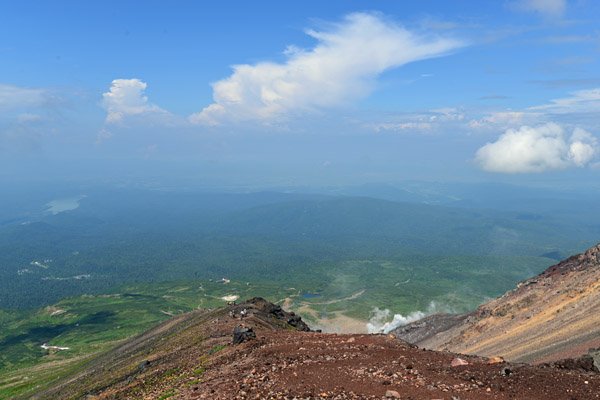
(583, 147)
(18, 97)
(537, 149)
(548, 8)
(340, 68)
(126, 98)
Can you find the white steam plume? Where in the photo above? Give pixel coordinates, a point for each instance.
(380, 319)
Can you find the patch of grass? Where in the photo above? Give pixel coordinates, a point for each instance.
(171, 373)
(95, 323)
(216, 349)
(169, 393)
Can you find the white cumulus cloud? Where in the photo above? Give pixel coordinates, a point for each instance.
(341, 67)
(582, 148)
(537, 149)
(126, 98)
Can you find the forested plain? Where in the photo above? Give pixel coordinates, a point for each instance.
(126, 259)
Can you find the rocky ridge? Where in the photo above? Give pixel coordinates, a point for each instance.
(193, 356)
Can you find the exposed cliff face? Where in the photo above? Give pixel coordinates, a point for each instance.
(553, 316)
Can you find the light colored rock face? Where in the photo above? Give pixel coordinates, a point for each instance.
(552, 316)
(596, 355)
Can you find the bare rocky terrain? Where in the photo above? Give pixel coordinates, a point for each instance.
(276, 356)
(553, 316)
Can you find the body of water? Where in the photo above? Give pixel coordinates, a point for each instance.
(62, 205)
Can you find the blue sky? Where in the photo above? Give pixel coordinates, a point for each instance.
(282, 93)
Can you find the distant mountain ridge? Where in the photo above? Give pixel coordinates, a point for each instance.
(552, 316)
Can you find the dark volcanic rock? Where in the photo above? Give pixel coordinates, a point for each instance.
(261, 306)
(143, 365)
(297, 323)
(587, 260)
(584, 363)
(429, 326)
(242, 334)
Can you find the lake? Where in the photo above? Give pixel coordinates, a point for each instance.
(62, 205)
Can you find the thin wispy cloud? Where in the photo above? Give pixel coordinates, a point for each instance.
(494, 97)
(569, 39)
(581, 101)
(424, 122)
(13, 97)
(402, 126)
(501, 119)
(546, 8)
(569, 108)
(342, 67)
(566, 83)
(25, 113)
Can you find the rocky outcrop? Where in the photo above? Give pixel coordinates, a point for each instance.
(428, 327)
(266, 309)
(242, 334)
(584, 363)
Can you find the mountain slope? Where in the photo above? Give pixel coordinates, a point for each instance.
(174, 350)
(192, 357)
(552, 316)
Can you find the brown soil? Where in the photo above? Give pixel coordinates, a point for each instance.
(191, 357)
(309, 365)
